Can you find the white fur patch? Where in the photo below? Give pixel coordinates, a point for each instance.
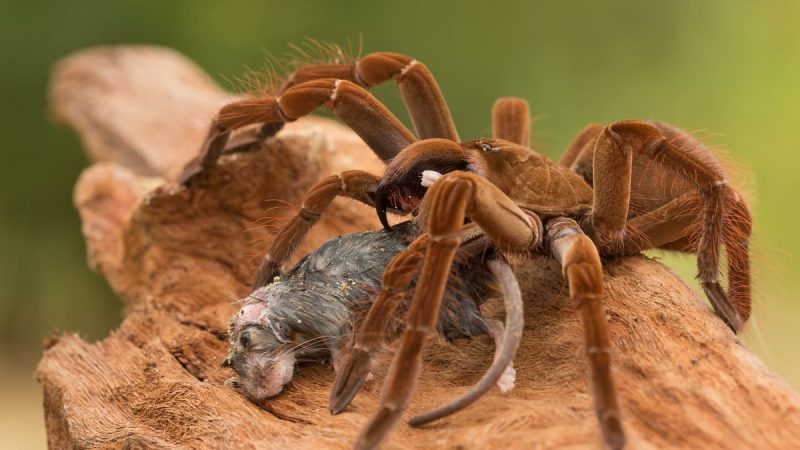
(429, 177)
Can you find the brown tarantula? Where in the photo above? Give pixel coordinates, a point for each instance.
(619, 189)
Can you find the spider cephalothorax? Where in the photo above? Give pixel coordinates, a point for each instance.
(619, 189)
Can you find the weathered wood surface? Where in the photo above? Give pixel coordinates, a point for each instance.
(180, 257)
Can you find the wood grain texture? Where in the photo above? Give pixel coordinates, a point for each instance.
(179, 257)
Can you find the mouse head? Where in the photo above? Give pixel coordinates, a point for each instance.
(261, 353)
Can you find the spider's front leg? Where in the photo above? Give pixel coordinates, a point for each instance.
(448, 202)
(507, 338)
(397, 278)
(581, 266)
(418, 88)
(395, 281)
(352, 104)
(356, 184)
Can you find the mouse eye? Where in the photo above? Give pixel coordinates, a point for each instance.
(244, 339)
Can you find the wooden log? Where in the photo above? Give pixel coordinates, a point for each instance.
(180, 257)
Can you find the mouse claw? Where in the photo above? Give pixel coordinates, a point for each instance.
(349, 380)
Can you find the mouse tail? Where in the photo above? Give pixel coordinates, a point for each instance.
(504, 355)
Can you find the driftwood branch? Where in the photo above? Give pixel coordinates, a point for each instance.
(179, 258)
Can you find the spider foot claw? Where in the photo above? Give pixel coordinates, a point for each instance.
(613, 434)
(349, 380)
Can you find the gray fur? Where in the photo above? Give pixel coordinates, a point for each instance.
(309, 312)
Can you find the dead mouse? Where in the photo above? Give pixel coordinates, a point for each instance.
(308, 313)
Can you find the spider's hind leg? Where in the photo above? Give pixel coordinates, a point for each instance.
(723, 216)
(581, 150)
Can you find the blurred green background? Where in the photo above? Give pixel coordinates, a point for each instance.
(728, 68)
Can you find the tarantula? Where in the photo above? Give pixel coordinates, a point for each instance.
(619, 189)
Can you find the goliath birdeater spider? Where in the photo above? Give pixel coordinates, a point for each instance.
(619, 189)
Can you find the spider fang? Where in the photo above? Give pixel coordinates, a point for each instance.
(381, 195)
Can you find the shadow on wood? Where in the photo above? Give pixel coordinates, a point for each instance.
(180, 257)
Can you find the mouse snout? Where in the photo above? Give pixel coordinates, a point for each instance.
(268, 380)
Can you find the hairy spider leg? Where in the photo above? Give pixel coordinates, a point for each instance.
(666, 228)
(450, 200)
(511, 120)
(356, 184)
(580, 264)
(724, 216)
(418, 88)
(352, 104)
(504, 350)
(582, 144)
(395, 282)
